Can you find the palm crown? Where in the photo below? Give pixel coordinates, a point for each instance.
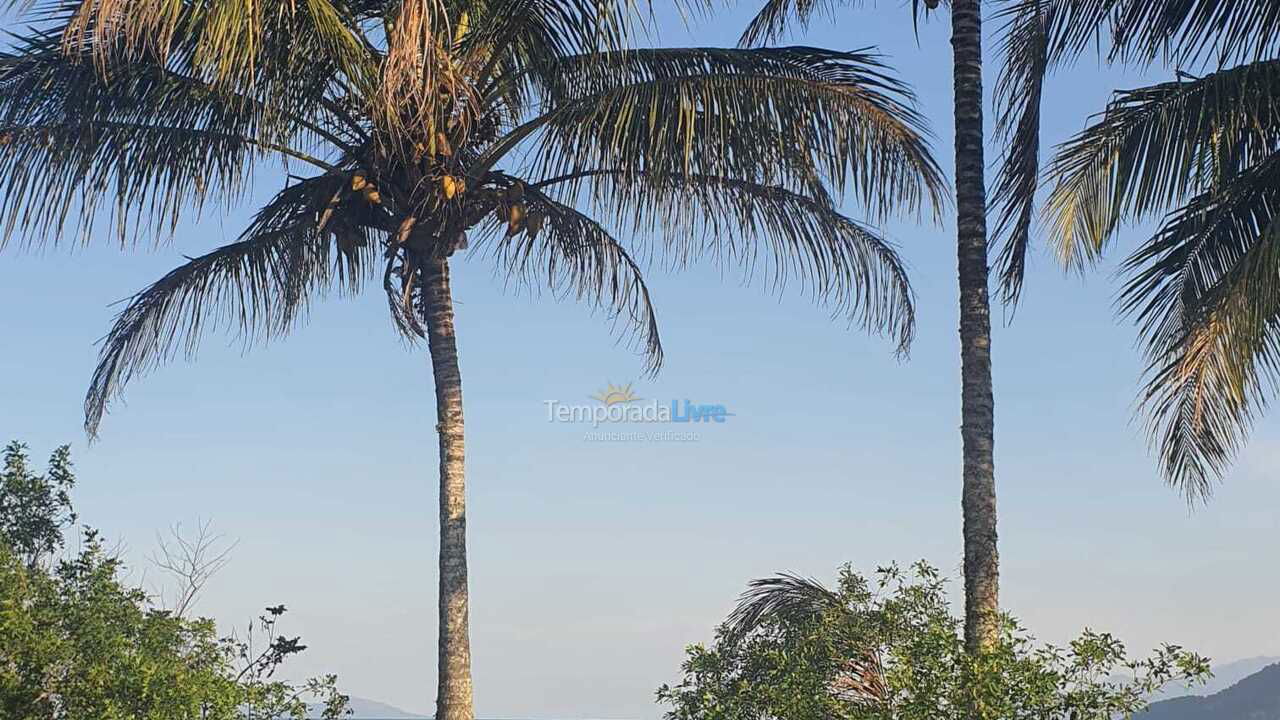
(530, 132)
(147, 110)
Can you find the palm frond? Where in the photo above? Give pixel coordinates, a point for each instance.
(784, 596)
(1189, 30)
(258, 287)
(1183, 31)
(1186, 32)
(152, 141)
(1206, 295)
(1024, 46)
(1070, 26)
(1154, 148)
(294, 61)
(776, 17)
(1036, 37)
(231, 44)
(1039, 35)
(780, 116)
(530, 37)
(735, 223)
(552, 245)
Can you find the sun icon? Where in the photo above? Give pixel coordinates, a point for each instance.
(616, 394)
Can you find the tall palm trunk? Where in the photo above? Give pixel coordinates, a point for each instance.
(454, 696)
(977, 424)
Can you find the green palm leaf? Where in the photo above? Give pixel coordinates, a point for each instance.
(1025, 47)
(785, 597)
(155, 142)
(235, 45)
(1154, 147)
(573, 256)
(766, 230)
(1206, 293)
(788, 116)
(774, 18)
(259, 287)
(1039, 36)
(1190, 29)
(1203, 290)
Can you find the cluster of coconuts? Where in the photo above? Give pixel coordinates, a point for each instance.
(450, 185)
(362, 184)
(513, 211)
(511, 208)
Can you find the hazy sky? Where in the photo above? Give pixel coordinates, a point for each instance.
(593, 564)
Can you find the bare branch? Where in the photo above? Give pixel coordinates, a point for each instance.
(190, 560)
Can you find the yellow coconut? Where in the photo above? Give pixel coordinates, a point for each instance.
(515, 217)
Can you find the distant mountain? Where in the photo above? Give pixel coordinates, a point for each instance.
(1256, 697)
(1224, 676)
(365, 709)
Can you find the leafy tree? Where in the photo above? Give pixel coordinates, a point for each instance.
(77, 643)
(259, 654)
(531, 132)
(888, 646)
(35, 508)
(1198, 154)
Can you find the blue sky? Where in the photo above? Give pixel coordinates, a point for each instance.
(593, 564)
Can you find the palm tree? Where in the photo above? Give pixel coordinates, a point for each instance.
(528, 131)
(1199, 153)
(977, 424)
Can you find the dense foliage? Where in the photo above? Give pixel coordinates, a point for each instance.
(889, 646)
(35, 508)
(78, 643)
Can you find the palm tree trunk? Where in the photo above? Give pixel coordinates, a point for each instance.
(454, 698)
(977, 424)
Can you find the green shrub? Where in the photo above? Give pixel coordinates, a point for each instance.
(78, 643)
(889, 647)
